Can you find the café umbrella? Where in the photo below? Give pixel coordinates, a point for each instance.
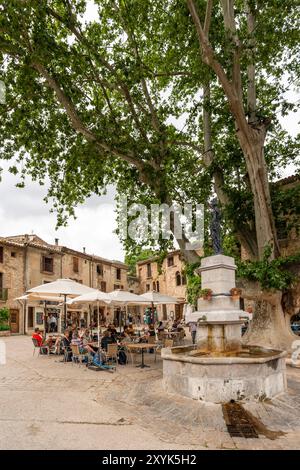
(124, 298)
(40, 298)
(62, 287)
(93, 297)
(155, 298)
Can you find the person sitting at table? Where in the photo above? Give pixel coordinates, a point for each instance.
(107, 339)
(85, 346)
(66, 342)
(126, 338)
(151, 331)
(130, 329)
(37, 335)
(175, 326)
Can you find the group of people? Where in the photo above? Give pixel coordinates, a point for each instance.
(85, 340)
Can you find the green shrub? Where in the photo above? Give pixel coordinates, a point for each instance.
(4, 315)
(4, 327)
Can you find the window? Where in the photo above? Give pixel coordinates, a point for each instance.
(103, 286)
(157, 286)
(75, 264)
(1, 254)
(121, 287)
(178, 278)
(183, 279)
(170, 261)
(116, 286)
(1, 280)
(99, 269)
(147, 287)
(13, 254)
(149, 270)
(118, 274)
(154, 285)
(47, 264)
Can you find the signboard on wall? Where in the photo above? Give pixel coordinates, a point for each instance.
(39, 318)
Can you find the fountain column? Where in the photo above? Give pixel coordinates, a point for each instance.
(218, 319)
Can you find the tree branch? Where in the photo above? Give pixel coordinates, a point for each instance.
(234, 101)
(207, 21)
(122, 86)
(251, 88)
(77, 124)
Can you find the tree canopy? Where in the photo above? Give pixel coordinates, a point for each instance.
(123, 100)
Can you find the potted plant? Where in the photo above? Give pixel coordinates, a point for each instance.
(235, 293)
(206, 294)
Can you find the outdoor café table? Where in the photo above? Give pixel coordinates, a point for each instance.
(142, 347)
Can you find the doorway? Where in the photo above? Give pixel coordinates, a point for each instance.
(14, 321)
(178, 311)
(30, 317)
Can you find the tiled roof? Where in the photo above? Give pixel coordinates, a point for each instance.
(288, 180)
(154, 258)
(36, 242)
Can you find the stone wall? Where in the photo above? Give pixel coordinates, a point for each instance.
(167, 282)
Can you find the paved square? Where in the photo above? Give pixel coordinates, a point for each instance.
(46, 404)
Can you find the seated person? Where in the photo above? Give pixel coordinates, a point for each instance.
(107, 339)
(125, 331)
(37, 335)
(130, 329)
(151, 331)
(85, 345)
(66, 341)
(75, 339)
(160, 326)
(126, 338)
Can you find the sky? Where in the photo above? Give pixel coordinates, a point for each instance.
(24, 211)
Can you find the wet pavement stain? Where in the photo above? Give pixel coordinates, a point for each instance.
(242, 423)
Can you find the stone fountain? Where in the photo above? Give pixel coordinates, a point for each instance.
(219, 368)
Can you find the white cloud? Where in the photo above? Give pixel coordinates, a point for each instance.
(24, 211)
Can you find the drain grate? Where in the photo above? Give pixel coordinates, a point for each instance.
(238, 421)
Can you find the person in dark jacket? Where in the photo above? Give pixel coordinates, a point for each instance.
(107, 339)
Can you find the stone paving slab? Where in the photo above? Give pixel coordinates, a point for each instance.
(46, 404)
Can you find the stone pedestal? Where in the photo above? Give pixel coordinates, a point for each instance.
(218, 319)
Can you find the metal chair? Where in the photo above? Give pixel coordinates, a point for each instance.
(40, 348)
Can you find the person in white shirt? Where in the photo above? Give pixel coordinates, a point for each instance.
(53, 323)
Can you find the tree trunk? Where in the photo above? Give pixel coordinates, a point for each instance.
(252, 145)
(269, 327)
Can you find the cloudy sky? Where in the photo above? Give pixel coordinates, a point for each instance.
(24, 211)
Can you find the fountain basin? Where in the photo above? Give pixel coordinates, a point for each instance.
(247, 373)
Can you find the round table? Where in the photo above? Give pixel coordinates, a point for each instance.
(142, 347)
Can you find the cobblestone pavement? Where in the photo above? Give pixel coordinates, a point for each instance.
(46, 404)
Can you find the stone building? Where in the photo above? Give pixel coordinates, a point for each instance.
(167, 279)
(27, 261)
